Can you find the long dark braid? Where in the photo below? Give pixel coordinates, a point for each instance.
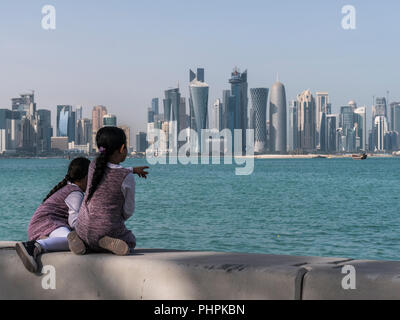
(77, 170)
(108, 140)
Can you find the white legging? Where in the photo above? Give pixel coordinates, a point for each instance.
(57, 240)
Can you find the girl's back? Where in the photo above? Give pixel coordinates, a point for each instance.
(51, 214)
(102, 215)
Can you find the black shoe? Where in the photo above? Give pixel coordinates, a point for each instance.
(28, 252)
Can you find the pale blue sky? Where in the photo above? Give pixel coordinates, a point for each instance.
(123, 53)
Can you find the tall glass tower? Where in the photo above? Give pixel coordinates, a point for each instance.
(277, 118)
(306, 121)
(199, 95)
(66, 122)
(239, 89)
(259, 98)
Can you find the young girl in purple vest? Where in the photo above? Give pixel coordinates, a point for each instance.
(56, 216)
(109, 200)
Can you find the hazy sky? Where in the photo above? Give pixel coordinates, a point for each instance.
(121, 54)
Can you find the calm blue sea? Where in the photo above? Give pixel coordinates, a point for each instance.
(321, 207)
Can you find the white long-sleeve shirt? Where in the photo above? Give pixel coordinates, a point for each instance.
(73, 202)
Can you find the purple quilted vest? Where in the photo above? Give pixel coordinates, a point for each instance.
(103, 214)
(51, 214)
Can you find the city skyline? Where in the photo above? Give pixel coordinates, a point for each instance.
(126, 75)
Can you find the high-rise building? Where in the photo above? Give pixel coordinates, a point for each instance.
(360, 127)
(109, 120)
(217, 115)
(331, 130)
(259, 97)
(150, 115)
(347, 125)
(98, 113)
(84, 132)
(154, 105)
(23, 103)
(79, 112)
(380, 107)
(127, 131)
(321, 112)
(239, 87)
(199, 76)
(228, 110)
(306, 121)
(199, 95)
(141, 142)
(66, 122)
(395, 116)
(277, 118)
(44, 130)
(380, 128)
(182, 115)
(292, 127)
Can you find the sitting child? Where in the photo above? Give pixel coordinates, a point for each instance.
(110, 199)
(56, 216)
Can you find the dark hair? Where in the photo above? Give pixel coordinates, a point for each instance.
(108, 140)
(77, 170)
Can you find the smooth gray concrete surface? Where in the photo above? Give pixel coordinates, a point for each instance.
(374, 280)
(188, 275)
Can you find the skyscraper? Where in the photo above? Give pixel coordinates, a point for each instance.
(259, 97)
(380, 128)
(44, 130)
(182, 115)
(127, 131)
(239, 89)
(277, 117)
(84, 132)
(306, 121)
(347, 125)
(66, 122)
(395, 117)
(109, 120)
(217, 115)
(360, 126)
(380, 107)
(98, 113)
(292, 138)
(22, 104)
(320, 114)
(199, 94)
(154, 105)
(79, 112)
(141, 142)
(331, 129)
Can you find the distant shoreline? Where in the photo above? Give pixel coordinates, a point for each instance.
(258, 156)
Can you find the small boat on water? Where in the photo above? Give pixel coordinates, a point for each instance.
(359, 156)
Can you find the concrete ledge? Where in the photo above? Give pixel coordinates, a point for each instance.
(374, 280)
(188, 275)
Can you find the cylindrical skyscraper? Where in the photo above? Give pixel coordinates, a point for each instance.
(277, 118)
(259, 98)
(199, 93)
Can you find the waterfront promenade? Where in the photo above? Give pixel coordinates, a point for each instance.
(190, 275)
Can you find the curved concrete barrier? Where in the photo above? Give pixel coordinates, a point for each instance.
(187, 275)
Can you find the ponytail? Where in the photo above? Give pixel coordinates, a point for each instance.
(108, 140)
(98, 174)
(59, 186)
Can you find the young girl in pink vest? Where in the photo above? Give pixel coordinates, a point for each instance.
(56, 216)
(109, 200)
